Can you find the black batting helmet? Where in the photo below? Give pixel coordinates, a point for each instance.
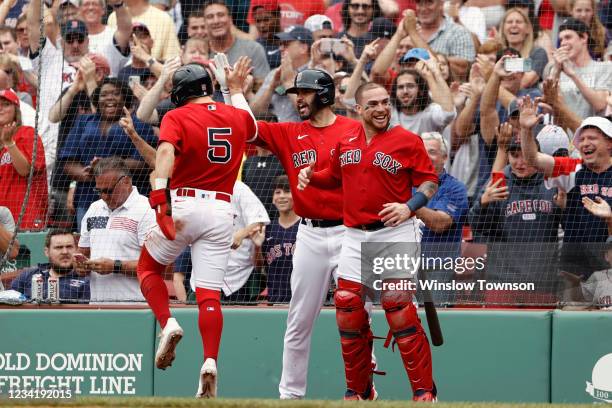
(318, 80)
(190, 81)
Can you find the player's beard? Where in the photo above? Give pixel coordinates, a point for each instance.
(313, 109)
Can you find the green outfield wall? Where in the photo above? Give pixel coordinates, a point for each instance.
(527, 356)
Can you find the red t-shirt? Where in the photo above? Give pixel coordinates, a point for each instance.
(295, 145)
(13, 186)
(209, 140)
(372, 175)
(294, 12)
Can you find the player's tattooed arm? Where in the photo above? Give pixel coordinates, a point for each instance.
(429, 188)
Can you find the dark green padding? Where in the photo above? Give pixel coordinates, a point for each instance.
(486, 356)
(580, 340)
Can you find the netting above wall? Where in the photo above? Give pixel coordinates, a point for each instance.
(85, 86)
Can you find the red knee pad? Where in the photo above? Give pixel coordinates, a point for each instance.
(410, 339)
(147, 265)
(355, 335)
(400, 311)
(203, 294)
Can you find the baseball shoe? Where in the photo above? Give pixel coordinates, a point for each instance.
(424, 396)
(168, 339)
(369, 395)
(208, 380)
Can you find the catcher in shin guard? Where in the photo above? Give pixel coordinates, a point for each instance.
(356, 340)
(411, 341)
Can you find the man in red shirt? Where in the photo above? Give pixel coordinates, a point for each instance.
(320, 233)
(201, 147)
(377, 168)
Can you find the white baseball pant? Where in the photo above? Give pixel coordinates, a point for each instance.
(207, 224)
(314, 261)
(349, 267)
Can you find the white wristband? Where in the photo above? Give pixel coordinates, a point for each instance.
(161, 183)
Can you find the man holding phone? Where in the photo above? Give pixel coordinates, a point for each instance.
(112, 234)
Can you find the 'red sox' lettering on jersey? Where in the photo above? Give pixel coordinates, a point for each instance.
(386, 162)
(296, 145)
(304, 157)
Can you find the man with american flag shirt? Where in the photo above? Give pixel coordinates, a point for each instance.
(112, 233)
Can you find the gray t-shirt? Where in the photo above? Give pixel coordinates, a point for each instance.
(7, 220)
(597, 76)
(282, 107)
(254, 51)
(431, 119)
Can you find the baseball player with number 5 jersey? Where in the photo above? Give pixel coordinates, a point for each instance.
(377, 168)
(197, 161)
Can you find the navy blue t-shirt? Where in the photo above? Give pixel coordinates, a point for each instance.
(85, 142)
(277, 250)
(72, 287)
(585, 234)
(273, 52)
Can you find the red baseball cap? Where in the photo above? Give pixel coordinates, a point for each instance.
(267, 5)
(10, 96)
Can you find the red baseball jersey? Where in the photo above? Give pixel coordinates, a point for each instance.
(298, 143)
(13, 186)
(371, 175)
(209, 140)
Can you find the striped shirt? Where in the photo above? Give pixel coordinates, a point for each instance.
(453, 40)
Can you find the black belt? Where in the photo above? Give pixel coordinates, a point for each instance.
(374, 226)
(321, 223)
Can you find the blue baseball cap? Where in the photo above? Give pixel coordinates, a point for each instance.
(74, 27)
(296, 33)
(415, 54)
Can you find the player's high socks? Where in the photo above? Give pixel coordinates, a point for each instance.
(154, 290)
(210, 320)
(152, 285)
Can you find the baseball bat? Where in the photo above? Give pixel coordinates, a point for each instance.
(432, 316)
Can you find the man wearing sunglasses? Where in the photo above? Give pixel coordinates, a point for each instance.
(112, 233)
(356, 17)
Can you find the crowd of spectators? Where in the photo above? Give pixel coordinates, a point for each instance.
(512, 98)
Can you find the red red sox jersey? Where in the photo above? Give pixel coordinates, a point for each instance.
(209, 140)
(383, 171)
(13, 186)
(298, 143)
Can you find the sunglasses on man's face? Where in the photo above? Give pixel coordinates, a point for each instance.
(108, 191)
(357, 6)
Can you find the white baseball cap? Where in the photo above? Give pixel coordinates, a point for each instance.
(552, 138)
(599, 122)
(318, 22)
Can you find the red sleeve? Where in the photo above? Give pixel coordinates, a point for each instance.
(331, 177)
(268, 135)
(420, 164)
(25, 143)
(170, 131)
(564, 166)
